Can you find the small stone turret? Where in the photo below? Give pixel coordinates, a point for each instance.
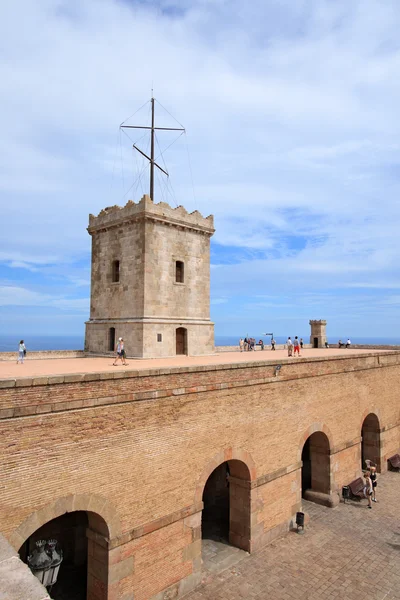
(318, 333)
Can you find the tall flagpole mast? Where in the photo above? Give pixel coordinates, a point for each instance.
(152, 152)
(150, 158)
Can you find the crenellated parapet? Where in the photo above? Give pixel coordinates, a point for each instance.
(318, 337)
(113, 216)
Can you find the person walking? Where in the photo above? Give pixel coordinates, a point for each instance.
(296, 346)
(348, 343)
(272, 344)
(21, 352)
(289, 345)
(374, 483)
(120, 349)
(368, 488)
(241, 344)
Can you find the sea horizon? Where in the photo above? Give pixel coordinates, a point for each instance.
(9, 343)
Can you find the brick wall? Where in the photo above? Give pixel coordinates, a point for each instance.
(137, 448)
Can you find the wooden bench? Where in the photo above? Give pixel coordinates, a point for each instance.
(394, 462)
(357, 488)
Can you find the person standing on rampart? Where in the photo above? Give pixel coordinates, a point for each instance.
(241, 344)
(272, 344)
(348, 343)
(120, 349)
(289, 345)
(21, 352)
(296, 346)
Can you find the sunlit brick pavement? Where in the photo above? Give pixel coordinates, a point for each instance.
(347, 552)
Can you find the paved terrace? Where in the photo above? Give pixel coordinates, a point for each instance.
(347, 553)
(71, 366)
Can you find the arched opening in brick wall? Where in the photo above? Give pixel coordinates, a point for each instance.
(83, 573)
(315, 472)
(226, 512)
(371, 442)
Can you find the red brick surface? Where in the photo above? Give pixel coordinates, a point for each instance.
(137, 449)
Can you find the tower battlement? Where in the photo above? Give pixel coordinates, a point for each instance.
(113, 216)
(318, 337)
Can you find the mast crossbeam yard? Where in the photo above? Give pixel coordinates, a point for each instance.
(150, 158)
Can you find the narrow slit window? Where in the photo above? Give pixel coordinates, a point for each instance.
(115, 271)
(179, 272)
(111, 339)
(159, 337)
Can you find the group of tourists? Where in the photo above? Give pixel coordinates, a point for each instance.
(294, 347)
(248, 344)
(344, 345)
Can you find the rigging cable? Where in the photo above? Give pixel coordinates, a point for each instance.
(122, 161)
(191, 172)
(136, 111)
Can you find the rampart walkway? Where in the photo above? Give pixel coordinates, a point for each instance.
(62, 366)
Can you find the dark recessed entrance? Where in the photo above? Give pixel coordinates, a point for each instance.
(215, 519)
(225, 525)
(181, 340)
(315, 344)
(370, 442)
(315, 472)
(83, 573)
(70, 532)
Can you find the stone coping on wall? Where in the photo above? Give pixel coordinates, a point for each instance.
(17, 581)
(289, 369)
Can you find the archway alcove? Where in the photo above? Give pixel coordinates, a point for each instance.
(226, 512)
(371, 442)
(315, 472)
(80, 575)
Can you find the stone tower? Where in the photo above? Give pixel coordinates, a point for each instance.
(150, 281)
(318, 333)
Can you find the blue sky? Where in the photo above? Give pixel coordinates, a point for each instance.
(291, 111)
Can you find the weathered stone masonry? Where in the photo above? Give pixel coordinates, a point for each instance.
(150, 278)
(134, 449)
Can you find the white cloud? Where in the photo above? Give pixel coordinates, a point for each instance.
(12, 295)
(291, 111)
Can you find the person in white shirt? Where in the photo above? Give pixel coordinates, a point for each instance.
(120, 352)
(348, 343)
(289, 344)
(21, 352)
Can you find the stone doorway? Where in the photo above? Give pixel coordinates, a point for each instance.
(315, 472)
(181, 341)
(78, 576)
(226, 516)
(370, 442)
